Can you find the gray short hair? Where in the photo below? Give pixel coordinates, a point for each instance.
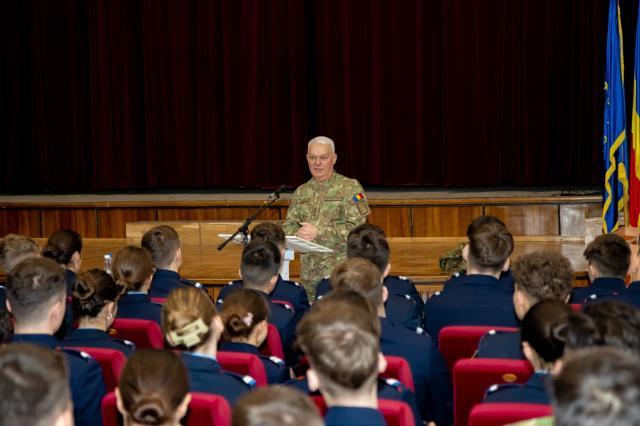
(323, 140)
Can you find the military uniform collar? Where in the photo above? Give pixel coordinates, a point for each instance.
(246, 348)
(324, 184)
(634, 287)
(37, 339)
(608, 283)
(89, 334)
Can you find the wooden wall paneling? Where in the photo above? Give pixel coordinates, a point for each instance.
(215, 213)
(534, 219)
(395, 221)
(435, 221)
(189, 231)
(112, 222)
(21, 221)
(83, 221)
(572, 217)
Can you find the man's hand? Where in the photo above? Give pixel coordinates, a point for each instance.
(308, 231)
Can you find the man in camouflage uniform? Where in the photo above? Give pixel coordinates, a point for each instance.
(324, 210)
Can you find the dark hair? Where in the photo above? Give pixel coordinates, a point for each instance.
(359, 275)
(241, 311)
(490, 242)
(92, 290)
(261, 261)
(61, 245)
(161, 242)
(6, 326)
(14, 248)
(275, 406)
(542, 326)
(367, 241)
(269, 231)
(618, 323)
(34, 386)
(580, 332)
(131, 267)
(544, 275)
(31, 285)
(152, 386)
(185, 306)
(597, 387)
(609, 254)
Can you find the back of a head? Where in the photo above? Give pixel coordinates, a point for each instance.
(261, 261)
(490, 243)
(361, 276)
(34, 386)
(186, 317)
(152, 386)
(275, 406)
(92, 290)
(61, 245)
(368, 242)
(544, 275)
(597, 387)
(269, 231)
(32, 285)
(14, 248)
(618, 323)
(580, 332)
(6, 326)
(241, 312)
(161, 242)
(610, 255)
(542, 327)
(131, 267)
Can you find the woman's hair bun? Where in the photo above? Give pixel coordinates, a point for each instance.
(52, 252)
(150, 410)
(236, 326)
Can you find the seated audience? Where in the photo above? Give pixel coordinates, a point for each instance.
(163, 244)
(404, 304)
(618, 324)
(608, 258)
(36, 295)
(539, 275)
(433, 388)
(133, 269)
(34, 387)
(244, 315)
(190, 323)
(480, 297)
(95, 303)
(13, 249)
(153, 389)
(275, 406)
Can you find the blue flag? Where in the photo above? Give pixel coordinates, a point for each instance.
(616, 183)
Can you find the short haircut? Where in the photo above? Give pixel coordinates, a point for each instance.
(186, 317)
(275, 406)
(269, 231)
(34, 385)
(32, 285)
(597, 387)
(152, 386)
(6, 326)
(490, 242)
(361, 276)
(580, 332)
(261, 260)
(354, 300)
(323, 140)
(342, 349)
(241, 311)
(542, 326)
(14, 248)
(162, 242)
(544, 275)
(609, 254)
(131, 267)
(92, 290)
(618, 323)
(61, 245)
(368, 242)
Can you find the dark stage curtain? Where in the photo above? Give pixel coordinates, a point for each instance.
(99, 95)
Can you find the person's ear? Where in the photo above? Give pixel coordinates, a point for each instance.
(507, 265)
(181, 410)
(382, 363)
(8, 305)
(112, 308)
(76, 258)
(119, 403)
(312, 380)
(527, 350)
(240, 273)
(179, 255)
(385, 294)
(557, 367)
(386, 270)
(465, 252)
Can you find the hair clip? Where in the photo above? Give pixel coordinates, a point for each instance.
(248, 319)
(189, 335)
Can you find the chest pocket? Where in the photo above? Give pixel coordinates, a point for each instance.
(331, 209)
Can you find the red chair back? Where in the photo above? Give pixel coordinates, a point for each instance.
(396, 413)
(244, 364)
(272, 345)
(111, 362)
(576, 307)
(500, 413)
(398, 368)
(461, 341)
(144, 333)
(472, 378)
(159, 300)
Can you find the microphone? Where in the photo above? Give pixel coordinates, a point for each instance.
(276, 194)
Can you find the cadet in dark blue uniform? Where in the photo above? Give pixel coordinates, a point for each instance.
(608, 259)
(95, 298)
(36, 291)
(133, 269)
(480, 297)
(540, 275)
(631, 295)
(244, 315)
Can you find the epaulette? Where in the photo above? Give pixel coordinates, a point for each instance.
(496, 388)
(394, 383)
(420, 330)
(436, 294)
(230, 283)
(592, 297)
(294, 283)
(320, 297)
(277, 361)
(127, 342)
(402, 277)
(78, 354)
(408, 297)
(247, 380)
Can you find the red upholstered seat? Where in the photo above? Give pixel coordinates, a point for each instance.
(144, 333)
(576, 307)
(500, 413)
(244, 364)
(398, 368)
(461, 341)
(272, 344)
(396, 413)
(111, 361)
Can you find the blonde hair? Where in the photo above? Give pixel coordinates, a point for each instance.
(186, 317)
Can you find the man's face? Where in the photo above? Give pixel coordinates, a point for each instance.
(321, 161)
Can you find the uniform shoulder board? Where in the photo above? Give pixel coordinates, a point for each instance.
(491, 332)
(496, 388)
(77, 353)
(457, 274)
(320, 297)
(437, 293)
(277, 361)
(129, 343)
(420, 330)
(198, 285)
(408, 297)
(493, 388)
(394, 383)
(402, 277)
(230, 283)
(592, 297)
(249, 381)
(296, 283)
(220, 301)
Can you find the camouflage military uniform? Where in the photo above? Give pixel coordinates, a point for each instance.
(335, 207)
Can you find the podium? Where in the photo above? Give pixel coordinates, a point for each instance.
(292, 244)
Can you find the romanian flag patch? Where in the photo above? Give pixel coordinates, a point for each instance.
(358, 197)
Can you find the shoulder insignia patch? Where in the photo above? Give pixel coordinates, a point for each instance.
(402, 277)
(419, 330)
(249, 380)
(276, 360)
